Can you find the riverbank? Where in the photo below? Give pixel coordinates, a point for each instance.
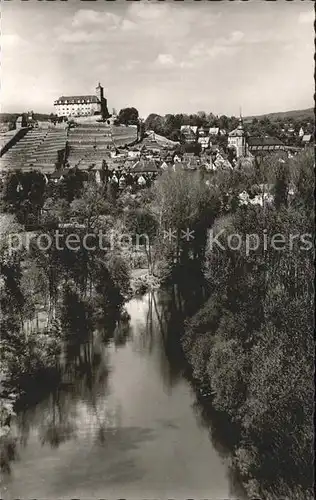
(257, 370)
(28, 362)
(33, 357)
(229, 435)
(127, 425)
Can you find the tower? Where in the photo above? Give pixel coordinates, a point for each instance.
(241, 139)
(103, 102)
(237, 139)
(99, 91)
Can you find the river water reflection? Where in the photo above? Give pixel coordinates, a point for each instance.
(127, 427)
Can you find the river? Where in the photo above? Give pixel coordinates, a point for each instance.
(128, 427)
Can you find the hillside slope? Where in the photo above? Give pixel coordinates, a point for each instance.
(297, 114)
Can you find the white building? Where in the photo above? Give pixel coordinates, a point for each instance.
(82, 105)
(132, 153)
(77, 105)
(190, 132)
(204, 141)
(213, 131)
(237, 140)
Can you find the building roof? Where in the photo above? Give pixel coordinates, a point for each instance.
(307, 137)
(56, 174)
(203, 140)
(145, 166)
(164, 165)
(160, 139)
(189, 129)
(221, 162)
(76, 99)
(213, 130)
(128, 163)
(188, 164)
(165, 154)
(264, 141)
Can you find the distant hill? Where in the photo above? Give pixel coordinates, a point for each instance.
(296, 114)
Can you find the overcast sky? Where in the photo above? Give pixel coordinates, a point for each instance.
(162, 57)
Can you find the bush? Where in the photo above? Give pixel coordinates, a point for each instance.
(144, 284)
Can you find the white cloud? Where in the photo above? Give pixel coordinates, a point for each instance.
(128, 25)
(165, 60)
(82, 37)
(235, 37)
(223, 46)
(306, 17)
(86, 17)
(232, 39)
(186, 64)
(198, 49)
(149, 11)
(162, 26)
(169, 22)
(11, 40)
(222, 50)
(89, 26)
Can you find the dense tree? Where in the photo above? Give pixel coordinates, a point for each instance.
(170, 125)
(143, 226)
(185, 208)
(23, 195)
(223, 122)
(251, 344)
(154, 122)
(128, 116)
(90, 206)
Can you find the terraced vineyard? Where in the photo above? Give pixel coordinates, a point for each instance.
(45, 149)
(38, 149)
(90, 143)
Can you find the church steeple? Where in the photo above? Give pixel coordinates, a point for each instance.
(237, 138)
(240, 122)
